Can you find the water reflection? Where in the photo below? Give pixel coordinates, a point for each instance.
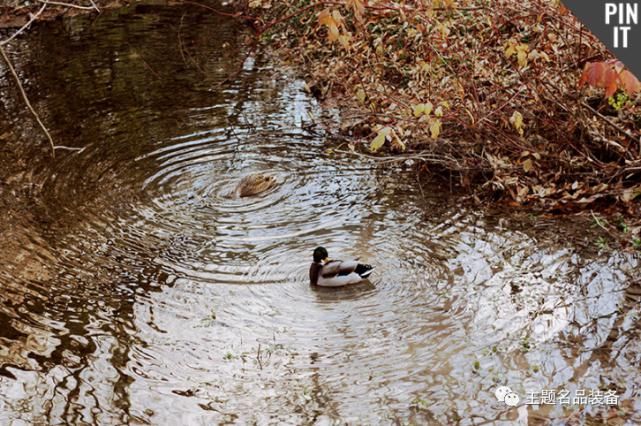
(135, 291)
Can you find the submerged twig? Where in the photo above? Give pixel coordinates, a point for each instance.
(26, 100)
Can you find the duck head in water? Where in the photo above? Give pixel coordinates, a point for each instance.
(254, 184)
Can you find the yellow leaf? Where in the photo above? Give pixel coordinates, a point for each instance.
(528, 166)
(521, 58)
(333, 33)
(325, 18)
(380, 138)
(420, 109)
(435, 128)
(360, 95)
(517, 121)
(344, 40)
(509, 51)
(439, 111)
(338, 19)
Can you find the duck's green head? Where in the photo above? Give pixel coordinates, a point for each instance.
(320, 254)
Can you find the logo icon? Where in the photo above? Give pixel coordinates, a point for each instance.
(505, 394)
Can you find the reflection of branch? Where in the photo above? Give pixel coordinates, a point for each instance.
(26, 99)
(24, 27)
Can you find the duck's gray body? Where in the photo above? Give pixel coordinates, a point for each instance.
(336, 273)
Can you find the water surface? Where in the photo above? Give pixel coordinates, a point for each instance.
(135, 291)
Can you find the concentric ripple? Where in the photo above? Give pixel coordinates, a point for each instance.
(138, 290)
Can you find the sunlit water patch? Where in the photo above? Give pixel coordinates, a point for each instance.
(140, 290)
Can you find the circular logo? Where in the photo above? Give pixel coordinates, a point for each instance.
(512, 399)
(501, 391)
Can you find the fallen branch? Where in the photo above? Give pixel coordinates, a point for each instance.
(26, 100)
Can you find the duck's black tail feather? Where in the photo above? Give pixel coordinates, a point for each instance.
(364, 270)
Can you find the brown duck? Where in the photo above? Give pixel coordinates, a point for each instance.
(253, 184)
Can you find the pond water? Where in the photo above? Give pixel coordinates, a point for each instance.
(135, 291)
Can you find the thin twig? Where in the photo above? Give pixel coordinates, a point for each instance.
(95, 6)
(60, 3)
(260, 363)
(25, 26)
(610, 122)
(70, 148)
(26, 101)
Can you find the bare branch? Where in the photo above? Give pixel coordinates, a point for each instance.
(25, 26)
(94, 6)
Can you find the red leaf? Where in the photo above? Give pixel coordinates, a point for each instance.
(611, 76)
(629, 83)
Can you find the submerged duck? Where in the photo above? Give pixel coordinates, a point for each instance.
(336, 273)
(253, 184)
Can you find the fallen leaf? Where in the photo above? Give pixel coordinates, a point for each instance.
(379, 140)
(435, 128)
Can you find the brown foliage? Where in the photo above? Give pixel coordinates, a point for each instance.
(495, 95)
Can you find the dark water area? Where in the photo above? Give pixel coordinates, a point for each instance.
(135, 291)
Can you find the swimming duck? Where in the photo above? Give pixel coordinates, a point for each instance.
(336, 273)
(253, 184)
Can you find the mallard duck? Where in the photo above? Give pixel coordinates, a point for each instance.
(253, 184)
(336, 273)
